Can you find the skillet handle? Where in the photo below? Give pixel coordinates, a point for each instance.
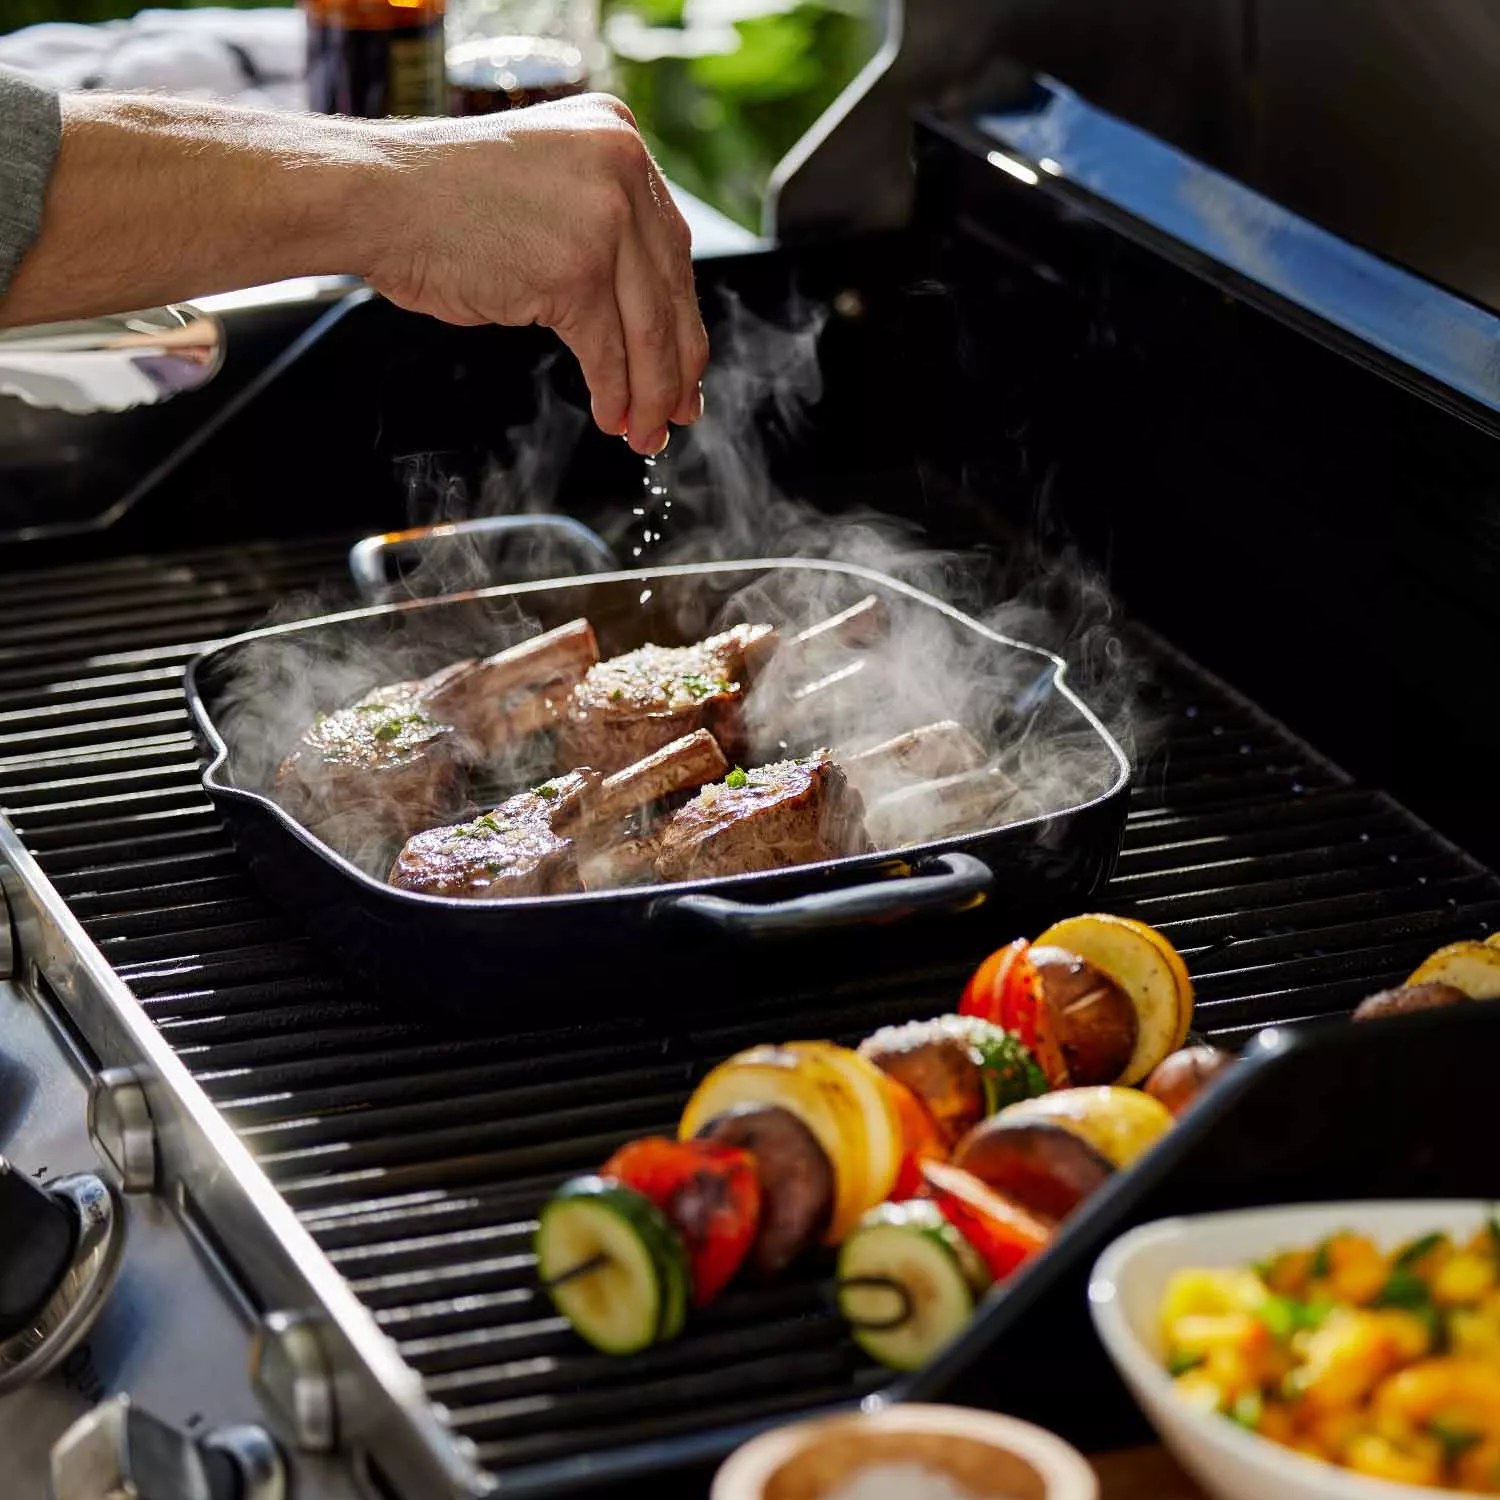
(583, 548)
(946, 883)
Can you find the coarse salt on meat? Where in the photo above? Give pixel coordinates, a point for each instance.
(635, 703)
(788, 813)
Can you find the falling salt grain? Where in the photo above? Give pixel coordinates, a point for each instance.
(900, 1481)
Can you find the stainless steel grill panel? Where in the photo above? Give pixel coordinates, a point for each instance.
(416, 1159)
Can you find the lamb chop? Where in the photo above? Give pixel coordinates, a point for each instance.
(516, 850)
(531, 845)
(630, 705)
(791, 813)
(804, 811)
(376, 769)
(393, 761)
(929, 783)
(615, 852)
(635, 703)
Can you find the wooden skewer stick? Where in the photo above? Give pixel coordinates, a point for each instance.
(578, 1272)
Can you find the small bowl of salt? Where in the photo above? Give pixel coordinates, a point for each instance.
(907, 1452)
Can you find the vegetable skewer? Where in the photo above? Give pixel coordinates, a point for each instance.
(938, 1158)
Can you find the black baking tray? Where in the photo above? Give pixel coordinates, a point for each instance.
(1400, 1108)
(252, 695)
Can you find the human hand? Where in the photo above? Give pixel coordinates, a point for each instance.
(553, 215)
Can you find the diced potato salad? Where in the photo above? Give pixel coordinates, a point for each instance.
(1387, 1363)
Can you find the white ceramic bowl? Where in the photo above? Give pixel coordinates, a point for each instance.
(809, 1460)
(1125, 1295)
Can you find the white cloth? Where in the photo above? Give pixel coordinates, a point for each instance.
(248, 56)
(76, 382)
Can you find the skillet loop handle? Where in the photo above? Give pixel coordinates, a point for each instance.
(946, 883)
(570, 547)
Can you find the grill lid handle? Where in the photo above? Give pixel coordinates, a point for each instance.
(460, 555)
(946, 883)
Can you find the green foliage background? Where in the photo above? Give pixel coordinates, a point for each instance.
(718, 123)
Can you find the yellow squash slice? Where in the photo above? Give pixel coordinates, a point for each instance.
(884, 1146)
(1185, 997)
(1135, 957)
(814, 1090)
(1471, 967)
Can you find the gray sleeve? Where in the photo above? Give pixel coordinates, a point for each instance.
(30, 130)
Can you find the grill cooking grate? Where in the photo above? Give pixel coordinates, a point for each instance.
(416, 1160)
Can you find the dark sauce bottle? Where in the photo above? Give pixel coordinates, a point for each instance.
(374, 58)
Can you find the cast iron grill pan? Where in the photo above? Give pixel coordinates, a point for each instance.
(469, 956)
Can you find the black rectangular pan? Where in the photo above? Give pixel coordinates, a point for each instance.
(1400, 1108)
(251, 696)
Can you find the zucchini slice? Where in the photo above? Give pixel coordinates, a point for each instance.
(907, 1283)
(638, 1294)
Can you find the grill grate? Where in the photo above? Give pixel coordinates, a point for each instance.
(416, 1160)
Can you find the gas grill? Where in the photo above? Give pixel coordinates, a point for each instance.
(1022, 370)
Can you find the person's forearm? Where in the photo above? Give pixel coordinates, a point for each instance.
(154, 200)
(553, 215)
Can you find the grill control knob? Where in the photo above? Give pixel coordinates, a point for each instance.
(36, 1248)
(59, 1251)
(119, 1451)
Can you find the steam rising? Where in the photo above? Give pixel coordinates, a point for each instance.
(714, 501)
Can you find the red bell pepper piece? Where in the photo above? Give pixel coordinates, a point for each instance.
(710, 1193)
(921, 1140)
(1003, 1233)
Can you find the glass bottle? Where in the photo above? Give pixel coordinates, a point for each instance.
(374, 58)
(506, 54)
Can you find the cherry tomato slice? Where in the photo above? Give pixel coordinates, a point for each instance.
(1007, 990)
(1003, 1233)
(1021, 1001)
(921, 1140)
(1029, 1016)
(710, 1193)
(984, 992)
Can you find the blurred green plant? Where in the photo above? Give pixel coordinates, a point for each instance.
(722, 88)
(723, 100)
